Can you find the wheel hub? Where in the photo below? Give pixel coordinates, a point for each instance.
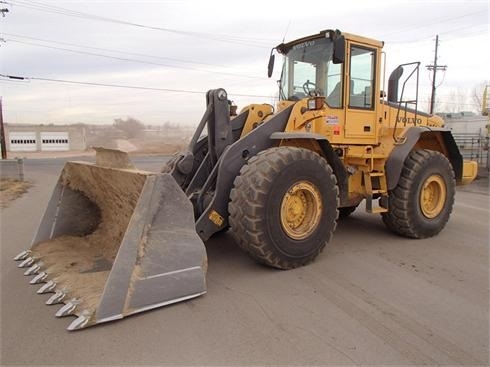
(432, 196)
(301, 208)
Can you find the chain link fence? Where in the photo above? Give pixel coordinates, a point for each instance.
(474, 147)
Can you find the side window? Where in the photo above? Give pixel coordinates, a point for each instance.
(334, 85)
(362, 67)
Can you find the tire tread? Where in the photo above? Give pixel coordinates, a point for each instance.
(245, 202)
(399, 218)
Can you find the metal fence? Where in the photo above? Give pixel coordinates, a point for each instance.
(473, 147)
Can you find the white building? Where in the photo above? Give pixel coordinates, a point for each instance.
(45, 138)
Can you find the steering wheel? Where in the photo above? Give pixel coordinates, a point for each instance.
(308, 87)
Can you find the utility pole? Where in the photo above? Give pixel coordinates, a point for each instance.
(3, 11)
(434, 67)
(3, 146)
(2, 133)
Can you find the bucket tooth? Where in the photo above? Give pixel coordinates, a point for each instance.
(47, 288)
(23, 255)
(68, 309)
(56, 298)
(34, 269)
(81, 321)
(39, 278)
(27, 262)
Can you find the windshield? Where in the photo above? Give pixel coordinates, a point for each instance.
(308, 70)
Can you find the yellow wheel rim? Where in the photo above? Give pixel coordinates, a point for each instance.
(433, 196)
(301, 208)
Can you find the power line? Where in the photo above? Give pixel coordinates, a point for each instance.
(39, 6)
(466, 27)
(133, 60)
(441, 20)
(110, 50)
(67, 12)
(96, 84)
(431, 23)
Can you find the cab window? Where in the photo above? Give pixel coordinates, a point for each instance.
(334, 85)
(362, 68)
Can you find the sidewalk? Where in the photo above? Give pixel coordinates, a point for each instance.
(38, 155)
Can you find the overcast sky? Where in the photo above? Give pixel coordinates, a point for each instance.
(190, 46)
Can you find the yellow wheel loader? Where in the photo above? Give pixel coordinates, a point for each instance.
(115, 240)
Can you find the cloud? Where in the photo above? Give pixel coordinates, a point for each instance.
(212, 44)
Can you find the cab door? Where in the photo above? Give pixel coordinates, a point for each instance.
(361, 88)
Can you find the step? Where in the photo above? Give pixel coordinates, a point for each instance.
(375, 174)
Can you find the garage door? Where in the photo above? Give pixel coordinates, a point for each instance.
(22, 141)
(54, 141)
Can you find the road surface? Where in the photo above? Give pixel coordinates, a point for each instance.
(370, 298)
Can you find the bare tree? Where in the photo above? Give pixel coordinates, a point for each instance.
(464, 99)
(477, 95)
(131, 126)
(456, 101)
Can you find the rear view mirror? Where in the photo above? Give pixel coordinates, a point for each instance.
(270, 67)
(338, 50)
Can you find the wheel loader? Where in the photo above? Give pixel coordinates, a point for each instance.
(115, 240)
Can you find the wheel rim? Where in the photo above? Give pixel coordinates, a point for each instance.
(433, 196)
(301, 208)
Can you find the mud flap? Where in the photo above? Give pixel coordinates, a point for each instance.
(115, 241)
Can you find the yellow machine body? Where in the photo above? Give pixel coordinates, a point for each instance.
(115, 240)
(365, 135)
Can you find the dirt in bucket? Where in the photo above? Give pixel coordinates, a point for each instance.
(81, 265)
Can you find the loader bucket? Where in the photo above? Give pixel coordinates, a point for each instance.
(115, 241)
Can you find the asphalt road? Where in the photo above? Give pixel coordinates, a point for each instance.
(370, 298)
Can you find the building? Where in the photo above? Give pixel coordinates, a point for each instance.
(466, 123)
(44, 138)
(471, 133)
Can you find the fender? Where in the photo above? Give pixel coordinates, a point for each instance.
(332, 158)
(394, 164)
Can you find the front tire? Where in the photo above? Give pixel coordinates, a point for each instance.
(283, 207)
(421, 203)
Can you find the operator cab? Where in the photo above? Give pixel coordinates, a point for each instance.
(344, 71)
(313, 67)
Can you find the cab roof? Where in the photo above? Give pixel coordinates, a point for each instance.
(332, 34)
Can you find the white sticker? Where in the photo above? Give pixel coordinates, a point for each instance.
(332, 120)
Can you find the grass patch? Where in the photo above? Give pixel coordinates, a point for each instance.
(11, 190)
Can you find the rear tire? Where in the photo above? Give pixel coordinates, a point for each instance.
(421, 203)
(283, 207)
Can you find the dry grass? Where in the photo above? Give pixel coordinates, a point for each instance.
(11, 190)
